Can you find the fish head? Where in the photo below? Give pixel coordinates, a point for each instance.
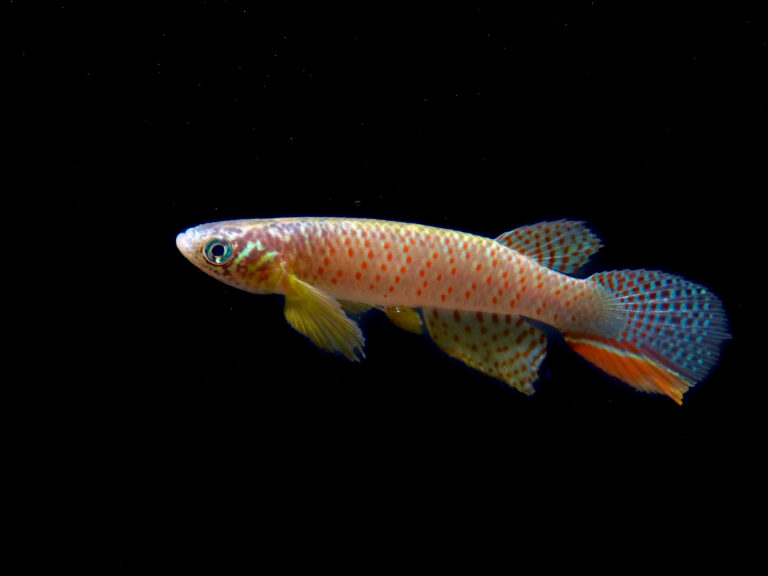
(241, 253)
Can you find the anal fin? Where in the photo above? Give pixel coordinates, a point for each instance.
(502, 346)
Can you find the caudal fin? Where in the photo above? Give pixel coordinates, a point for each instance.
(672, 336)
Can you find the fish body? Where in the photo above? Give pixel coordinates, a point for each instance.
(475, 294)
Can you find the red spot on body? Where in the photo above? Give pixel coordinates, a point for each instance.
(364, 265)
(442, 297)
(370, 253)
(421, 273)
(347, 241)
(320, 271)
(340, 273)
(511, 303)
(351, 252)
(479, 267)
(397, 279)
(389, 256)
(358, 275)
(468, 294)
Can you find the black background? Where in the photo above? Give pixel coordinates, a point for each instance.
(164, 417)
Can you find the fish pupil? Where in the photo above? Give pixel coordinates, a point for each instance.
(217, 251)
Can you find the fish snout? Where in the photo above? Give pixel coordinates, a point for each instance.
(186, 244)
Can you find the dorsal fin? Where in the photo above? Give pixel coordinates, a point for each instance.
(563, 245)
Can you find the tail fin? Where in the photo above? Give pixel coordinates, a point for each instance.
(672, 336)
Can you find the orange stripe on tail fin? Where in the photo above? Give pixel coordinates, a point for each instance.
(631, 365)
(670, 338)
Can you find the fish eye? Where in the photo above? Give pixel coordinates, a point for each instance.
(217, 251)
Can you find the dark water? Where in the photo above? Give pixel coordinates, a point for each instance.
(174, 420)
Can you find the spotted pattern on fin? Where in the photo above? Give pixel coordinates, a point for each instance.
(679, 320)
(671, 338)
(503, 346)
(563, 245)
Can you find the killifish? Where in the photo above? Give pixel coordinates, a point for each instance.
(483, 300)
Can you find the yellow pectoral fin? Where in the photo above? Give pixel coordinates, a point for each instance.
(321, 319)
(406, 318)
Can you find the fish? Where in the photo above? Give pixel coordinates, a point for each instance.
(483, 301)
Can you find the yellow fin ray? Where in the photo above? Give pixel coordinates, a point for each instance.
(320, 318)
